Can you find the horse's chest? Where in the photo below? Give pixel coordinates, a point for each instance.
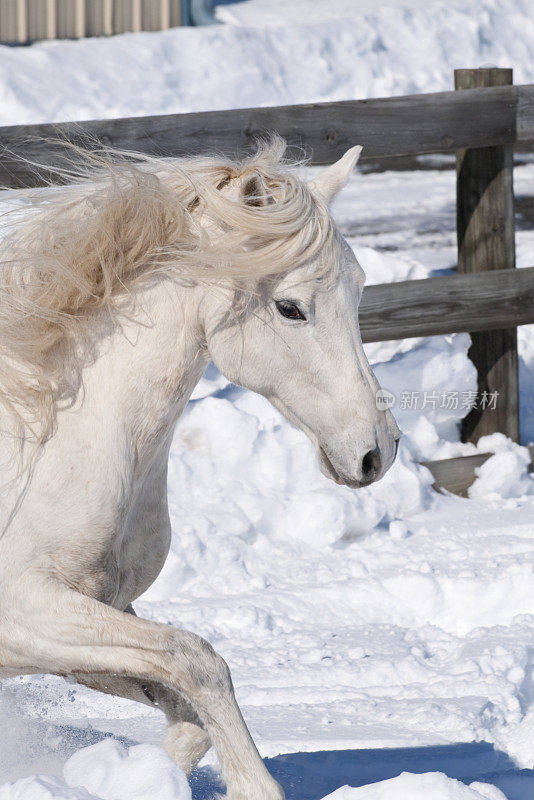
(141, 548)
(144, 548)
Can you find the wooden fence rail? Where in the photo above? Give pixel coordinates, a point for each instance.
(392, 126)
(482, 301)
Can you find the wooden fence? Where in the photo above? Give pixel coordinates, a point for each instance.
(444, 122)
(487, 297)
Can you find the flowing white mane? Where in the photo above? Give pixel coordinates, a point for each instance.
(83, 247)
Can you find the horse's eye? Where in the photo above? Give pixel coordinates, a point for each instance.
(289, 310)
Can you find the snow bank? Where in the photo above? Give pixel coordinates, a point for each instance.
(108, 771)
(42, 787)
(505, 474)
(261, 13)
(397, 48)
(419, 787)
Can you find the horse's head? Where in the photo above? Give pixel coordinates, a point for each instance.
(297, 342)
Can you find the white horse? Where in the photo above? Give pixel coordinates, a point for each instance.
(115, 294)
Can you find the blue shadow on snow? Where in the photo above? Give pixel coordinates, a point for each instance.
(312, 776)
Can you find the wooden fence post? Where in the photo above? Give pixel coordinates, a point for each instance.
(485, 228)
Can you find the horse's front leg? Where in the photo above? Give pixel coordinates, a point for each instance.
(65, 633)
(186, 741)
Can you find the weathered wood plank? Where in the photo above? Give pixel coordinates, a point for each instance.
(485, 225)
(393, 126)
(456, 475)
(447, 304)
(525, 114)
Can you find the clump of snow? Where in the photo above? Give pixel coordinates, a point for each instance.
(108, 771)
(519, 740)
(487, 791)
(42, 787)
(398, 529)
(433, 785)
(505, 474)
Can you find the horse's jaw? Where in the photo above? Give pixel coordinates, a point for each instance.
(330, 464)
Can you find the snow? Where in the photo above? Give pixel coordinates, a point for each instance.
(434, 785)
(329, 51)
(109, 771)
(506, 473)
(380, 641)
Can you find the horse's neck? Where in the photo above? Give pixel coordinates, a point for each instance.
(120, 424)
(145, 375)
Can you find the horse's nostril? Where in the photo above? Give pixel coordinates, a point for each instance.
(397, 446)
(371, 464)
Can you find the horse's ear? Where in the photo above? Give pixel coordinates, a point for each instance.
(334, 178)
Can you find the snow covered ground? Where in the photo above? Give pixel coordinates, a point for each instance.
(369, 633)
(394, 47)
